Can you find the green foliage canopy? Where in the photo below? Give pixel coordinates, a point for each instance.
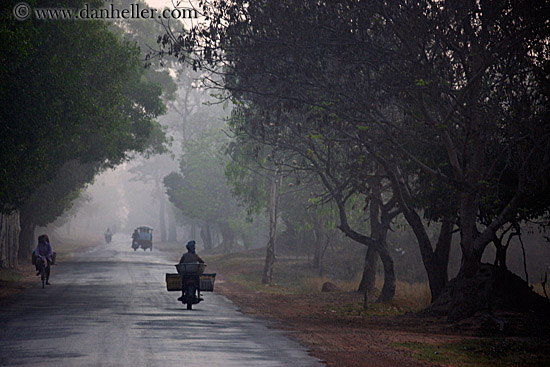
(68, 90)
(200, 190)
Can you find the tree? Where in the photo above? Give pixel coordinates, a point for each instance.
(462, 80)
(200, 191)
(474, 84)
(51, 200)
(70, 91)
(324, 157)
(257, 177)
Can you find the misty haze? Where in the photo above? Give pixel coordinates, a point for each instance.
(275, 183)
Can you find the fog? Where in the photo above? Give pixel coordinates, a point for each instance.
(396, 152)
(116, 200)
(133, 193)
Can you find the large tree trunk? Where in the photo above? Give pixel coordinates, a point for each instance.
(162, 210)
(267, 276)
(439, 276)
(500, 256)
(318, 243)
(379, 244)
(468, 294)
(491, 288)
(228, 238)
(317, 249)
(172, 228)
(471, 258)
(27, 242)
(206, 236)
(388, 290)
(9, 239)
(435, 261)
(369, 271)
(162, 221)
(380, 220)
(322, 241)
(382, 225)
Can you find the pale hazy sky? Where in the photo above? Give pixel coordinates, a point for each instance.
(159, 4)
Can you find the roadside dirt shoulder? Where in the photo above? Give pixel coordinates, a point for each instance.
(340, 340)
(12, 281)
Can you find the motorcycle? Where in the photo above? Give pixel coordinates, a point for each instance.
(191, 291)
(191, 281)
(108, 238)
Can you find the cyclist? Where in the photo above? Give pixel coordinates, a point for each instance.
(44, 253)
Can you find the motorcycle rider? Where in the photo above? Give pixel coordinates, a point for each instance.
(189, 257)
(135, 239)
(108, 235)
(44, 253)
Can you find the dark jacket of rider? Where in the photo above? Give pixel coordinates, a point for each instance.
(191, 256)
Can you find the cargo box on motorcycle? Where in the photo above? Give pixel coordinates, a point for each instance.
(190, 280)
(173, 282)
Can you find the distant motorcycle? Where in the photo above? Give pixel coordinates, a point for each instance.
(108, 237)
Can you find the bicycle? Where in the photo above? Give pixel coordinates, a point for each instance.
(42, 272)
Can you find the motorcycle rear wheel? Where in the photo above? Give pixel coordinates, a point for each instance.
(190, 297)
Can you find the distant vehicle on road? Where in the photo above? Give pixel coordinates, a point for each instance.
(143, 237)
(108, 236)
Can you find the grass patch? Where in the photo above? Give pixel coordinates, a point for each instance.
(314, 283)
(374, 309)
(252, 281)
(295, 276)
(246, 269)
(414, 296)
(11, 275)
(538, 289)
(231, 262)
(486, 352)
(13, 280)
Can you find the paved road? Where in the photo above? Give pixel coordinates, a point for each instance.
(110, 307)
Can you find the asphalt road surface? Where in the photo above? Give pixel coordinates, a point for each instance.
(109, 307)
